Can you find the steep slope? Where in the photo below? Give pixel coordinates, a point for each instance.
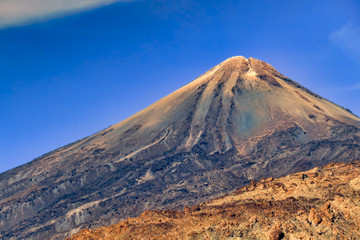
(319, 204)
(240, 121)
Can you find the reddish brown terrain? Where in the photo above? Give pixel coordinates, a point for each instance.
(323, 203)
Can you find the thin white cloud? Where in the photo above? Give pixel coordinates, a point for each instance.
(355, 87)
(22, 12)
(350, 88)
(348, 38)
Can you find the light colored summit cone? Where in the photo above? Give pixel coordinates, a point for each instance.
(240, 121)
(227, 107)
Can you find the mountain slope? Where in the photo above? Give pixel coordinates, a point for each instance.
(240, 121)
(322, 203)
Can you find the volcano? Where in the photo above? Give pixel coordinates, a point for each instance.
(240, 121)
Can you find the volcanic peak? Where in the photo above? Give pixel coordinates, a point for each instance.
(254, 74)
(240, 121)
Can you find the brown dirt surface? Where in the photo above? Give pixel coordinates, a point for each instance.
(323, 203)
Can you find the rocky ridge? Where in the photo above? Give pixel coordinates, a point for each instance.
(323, 203)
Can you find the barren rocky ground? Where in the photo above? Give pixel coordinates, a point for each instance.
(323, 203)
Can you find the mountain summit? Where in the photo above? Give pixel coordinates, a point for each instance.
(240, 121)
(226, 108)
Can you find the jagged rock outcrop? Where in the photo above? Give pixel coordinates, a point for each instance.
(322, 203)
(240, 121)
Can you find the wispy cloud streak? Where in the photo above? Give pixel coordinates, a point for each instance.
(348, 38)
(22, 12)
(355, 87)
(349, 88)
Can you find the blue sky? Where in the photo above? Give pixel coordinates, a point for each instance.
(68, 70)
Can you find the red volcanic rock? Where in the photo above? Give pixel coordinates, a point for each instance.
(305, 211)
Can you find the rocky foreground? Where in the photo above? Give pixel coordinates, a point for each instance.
(323, 203)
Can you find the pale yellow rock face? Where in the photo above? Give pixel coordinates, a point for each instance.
(252, 96)
(323, 203)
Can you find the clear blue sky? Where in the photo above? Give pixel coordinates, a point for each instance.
(70, 71)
